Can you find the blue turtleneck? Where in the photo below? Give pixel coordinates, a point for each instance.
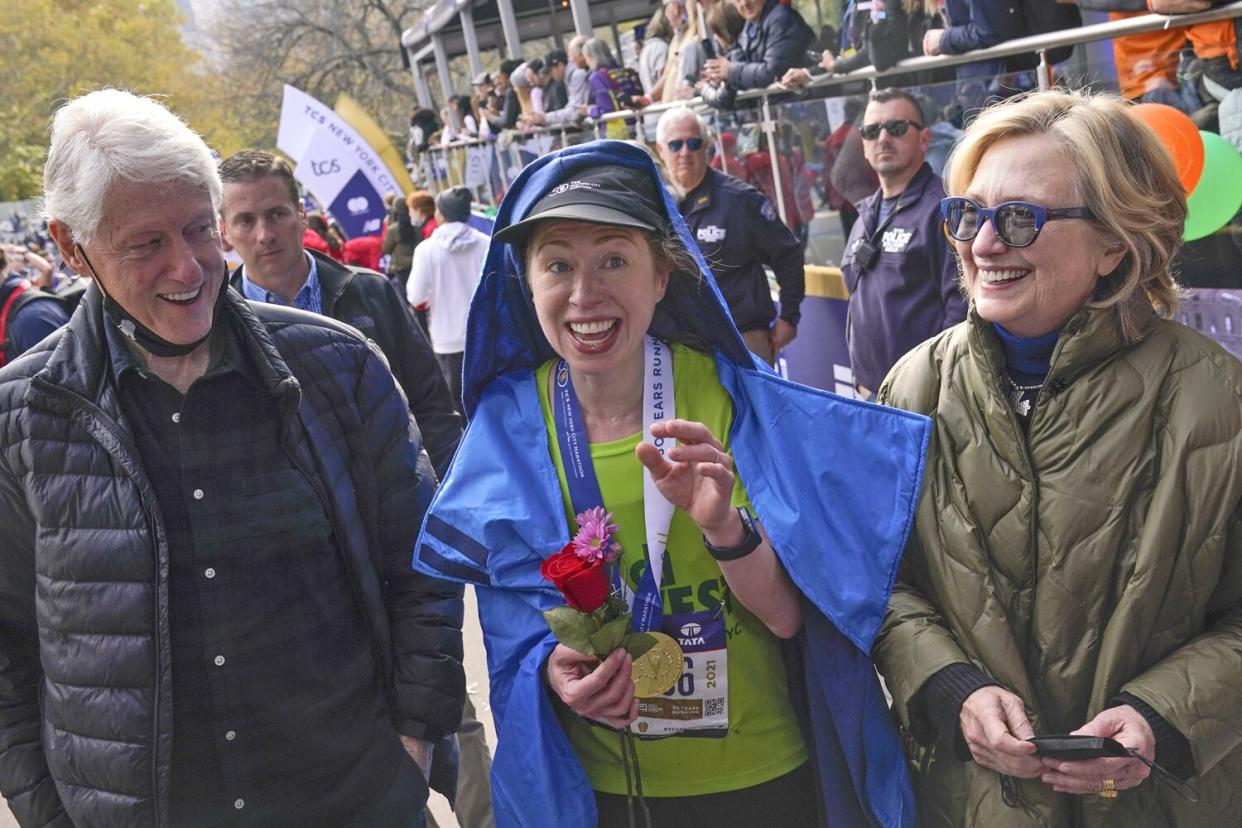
(1027, 359)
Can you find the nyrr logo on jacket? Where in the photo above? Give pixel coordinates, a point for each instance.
(710, 233)
(896, 240)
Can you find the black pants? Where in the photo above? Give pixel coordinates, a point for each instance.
(403, 804)
(789, 801)
(450, 366)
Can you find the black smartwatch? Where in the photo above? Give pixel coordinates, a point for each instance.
(749, 543)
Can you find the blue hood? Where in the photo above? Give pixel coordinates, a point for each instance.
(834, 482)
(502, 333)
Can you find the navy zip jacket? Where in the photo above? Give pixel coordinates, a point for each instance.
(910, 292)
(739, 231)
(780, 42)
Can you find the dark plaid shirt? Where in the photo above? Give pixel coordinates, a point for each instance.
(278, 716)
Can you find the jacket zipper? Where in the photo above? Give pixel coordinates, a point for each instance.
(100, 418)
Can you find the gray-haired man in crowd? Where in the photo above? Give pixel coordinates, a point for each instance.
(207, 609)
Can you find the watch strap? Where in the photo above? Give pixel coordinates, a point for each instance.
(749, 543)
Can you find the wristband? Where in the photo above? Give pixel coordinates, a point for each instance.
(749, 543)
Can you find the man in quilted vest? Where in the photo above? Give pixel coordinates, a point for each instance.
(207, 609)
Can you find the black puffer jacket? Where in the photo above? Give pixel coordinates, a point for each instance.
(85, 686)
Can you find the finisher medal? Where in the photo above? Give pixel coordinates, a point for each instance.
(657, 670)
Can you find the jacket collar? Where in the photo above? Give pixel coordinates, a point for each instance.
(334, 278)
(911, 195)
(700, 198)
(80, 361)
(1090, 337)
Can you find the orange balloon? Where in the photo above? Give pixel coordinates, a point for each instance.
(1180, 137)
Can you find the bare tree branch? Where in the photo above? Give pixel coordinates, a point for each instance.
(325, 47)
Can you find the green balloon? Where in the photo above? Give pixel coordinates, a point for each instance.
(1218, 195)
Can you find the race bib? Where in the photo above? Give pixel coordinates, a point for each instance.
(698, 705)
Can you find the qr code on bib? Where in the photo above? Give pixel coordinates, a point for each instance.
(713, 707)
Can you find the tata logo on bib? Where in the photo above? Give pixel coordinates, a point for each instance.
(357, 206)
(691, 635)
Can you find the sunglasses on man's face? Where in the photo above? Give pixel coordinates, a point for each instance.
(1015, 223)
(675, 145)
(895, 128)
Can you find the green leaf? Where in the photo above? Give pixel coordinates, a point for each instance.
(616, 604)
(638, 643)
(572, 628)
(610, 636)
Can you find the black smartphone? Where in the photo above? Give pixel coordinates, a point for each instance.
(1073, 748)
(708, 45)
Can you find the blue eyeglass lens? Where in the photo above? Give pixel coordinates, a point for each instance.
(695, 144)
(964, 220)
(1014, 224)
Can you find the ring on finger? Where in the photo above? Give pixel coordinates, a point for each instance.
(1108, 789)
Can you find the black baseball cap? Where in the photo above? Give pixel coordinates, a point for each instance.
(616, 195)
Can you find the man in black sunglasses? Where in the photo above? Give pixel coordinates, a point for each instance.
(899, 268)
(738, 231)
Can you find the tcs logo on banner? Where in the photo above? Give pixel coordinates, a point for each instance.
(325, 167)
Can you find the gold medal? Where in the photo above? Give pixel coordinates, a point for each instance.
(657, 670)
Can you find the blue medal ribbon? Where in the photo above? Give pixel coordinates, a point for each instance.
(584, 491)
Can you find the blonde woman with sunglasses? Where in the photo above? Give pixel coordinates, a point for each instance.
(1076, 567)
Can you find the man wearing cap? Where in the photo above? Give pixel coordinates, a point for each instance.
(481, 86)
(261, 217)
(568, 90)
(504, 89)
(739, 232)
(555, 93)
(446, 269)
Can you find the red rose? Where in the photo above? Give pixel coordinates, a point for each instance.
(583, 583)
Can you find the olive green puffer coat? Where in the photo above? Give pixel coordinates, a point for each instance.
(1101, 553)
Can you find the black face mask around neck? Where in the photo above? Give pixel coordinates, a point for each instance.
(140, 334)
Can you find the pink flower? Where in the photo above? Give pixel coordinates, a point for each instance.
(594, 540)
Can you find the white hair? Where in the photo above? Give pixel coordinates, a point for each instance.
(109, 136)
(678, 114)
(598, 54)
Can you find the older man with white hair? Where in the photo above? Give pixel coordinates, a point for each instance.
(739, 232)
(207, 607)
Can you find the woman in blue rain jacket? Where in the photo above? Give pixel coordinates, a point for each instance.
(832, 482)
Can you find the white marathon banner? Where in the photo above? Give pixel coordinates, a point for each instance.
(476, 167)
(340, 169)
